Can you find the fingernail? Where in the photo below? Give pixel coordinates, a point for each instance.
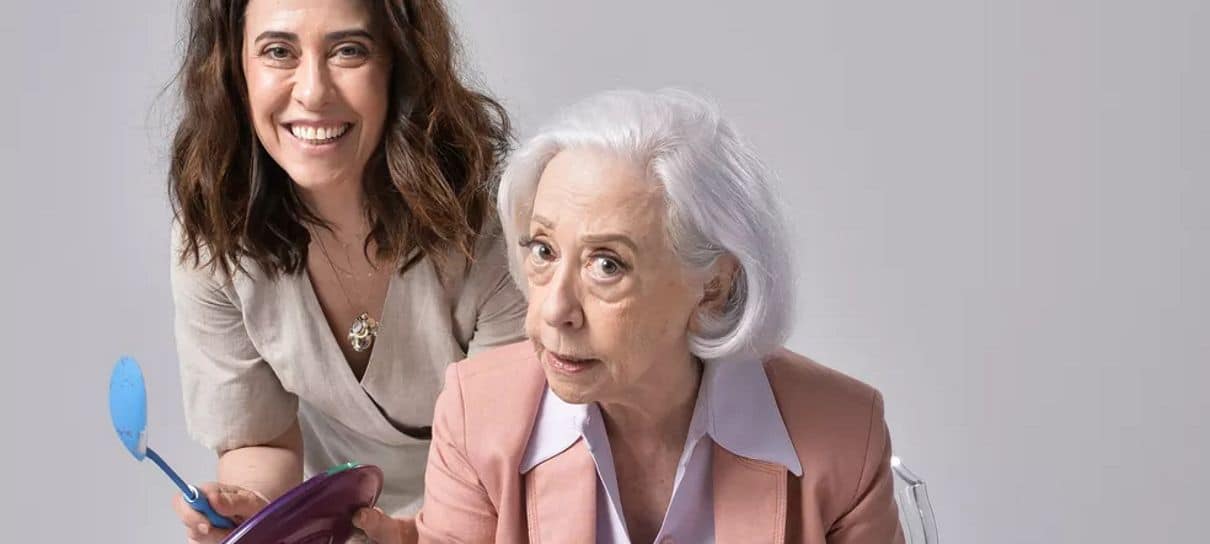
(203, 528)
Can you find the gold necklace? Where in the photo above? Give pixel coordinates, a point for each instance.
(364, 329)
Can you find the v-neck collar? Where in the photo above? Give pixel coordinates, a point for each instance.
(331, 344)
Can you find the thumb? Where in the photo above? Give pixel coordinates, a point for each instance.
(381, 528)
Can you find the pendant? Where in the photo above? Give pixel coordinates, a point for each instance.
(362, 333)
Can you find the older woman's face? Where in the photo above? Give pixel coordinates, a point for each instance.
(609, 301)
(317, 85)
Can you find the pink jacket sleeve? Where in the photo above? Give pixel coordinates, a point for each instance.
(873, 516)
(456, 505)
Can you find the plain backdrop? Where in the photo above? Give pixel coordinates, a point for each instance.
(1000, 217)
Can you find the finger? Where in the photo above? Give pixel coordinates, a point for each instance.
(203, 533)
(189, 517)
(408, 534)
(381, 528)
(197, 526)
(235, 502)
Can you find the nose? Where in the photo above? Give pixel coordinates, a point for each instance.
(313, 83)
(561, 308)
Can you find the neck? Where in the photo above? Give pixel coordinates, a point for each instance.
(657, 413)
(340, 205)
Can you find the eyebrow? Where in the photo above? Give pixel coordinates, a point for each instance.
(591, 238)
(610, 237)
(346, 34)
(331, 36)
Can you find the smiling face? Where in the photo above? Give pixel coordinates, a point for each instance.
(317, 81)
(610, 303)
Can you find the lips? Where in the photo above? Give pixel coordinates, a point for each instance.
(568, 364)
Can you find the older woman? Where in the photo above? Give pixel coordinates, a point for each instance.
(653, 401)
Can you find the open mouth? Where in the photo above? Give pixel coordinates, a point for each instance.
(318, 134)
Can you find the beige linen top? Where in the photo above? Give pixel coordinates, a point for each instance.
(257, 352)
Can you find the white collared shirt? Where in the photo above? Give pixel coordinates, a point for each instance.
(735, 408)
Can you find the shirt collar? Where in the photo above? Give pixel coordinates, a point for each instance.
(735, 407)
(557, 426)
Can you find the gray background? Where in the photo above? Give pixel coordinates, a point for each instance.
(1000, 213)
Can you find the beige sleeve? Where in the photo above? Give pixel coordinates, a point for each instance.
(500, 307)
(232, 396)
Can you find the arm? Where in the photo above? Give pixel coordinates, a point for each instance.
(248, 478)
(500, 318)
(457, 507)
(270, 469)
(234, 403)
(873, 516)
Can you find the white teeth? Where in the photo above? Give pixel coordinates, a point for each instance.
(318, 134)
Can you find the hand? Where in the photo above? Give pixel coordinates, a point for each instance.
(232, 502)
(384, 529)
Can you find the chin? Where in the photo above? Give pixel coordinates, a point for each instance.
(569, 392)
(311, 178)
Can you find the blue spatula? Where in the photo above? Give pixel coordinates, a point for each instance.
(128, 410)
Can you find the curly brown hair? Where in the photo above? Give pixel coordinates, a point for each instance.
(429, 186)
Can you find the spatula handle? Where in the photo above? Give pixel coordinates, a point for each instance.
(198, 502)
(193, 497)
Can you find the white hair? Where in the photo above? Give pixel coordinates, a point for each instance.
(718, 198)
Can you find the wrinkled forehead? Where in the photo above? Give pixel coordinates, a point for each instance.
(588, 190)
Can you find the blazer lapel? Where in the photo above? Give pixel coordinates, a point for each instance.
(749, 499)
(561, 497)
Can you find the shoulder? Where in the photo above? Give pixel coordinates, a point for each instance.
(488, 307)
(471, 280)
(515, 362)
(808, 388)
(194, 278)
(491, 257)
(831, 417)
(498, 391)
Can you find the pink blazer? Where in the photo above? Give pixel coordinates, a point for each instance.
(474, 491)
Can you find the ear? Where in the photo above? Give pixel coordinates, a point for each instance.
(716, 290)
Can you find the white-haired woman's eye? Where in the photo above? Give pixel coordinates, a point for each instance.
(605, 267)
(540, 252)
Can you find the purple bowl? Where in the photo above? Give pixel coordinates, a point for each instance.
(317, 511)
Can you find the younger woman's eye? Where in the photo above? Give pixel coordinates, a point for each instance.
(276, 52)
(351, 50)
